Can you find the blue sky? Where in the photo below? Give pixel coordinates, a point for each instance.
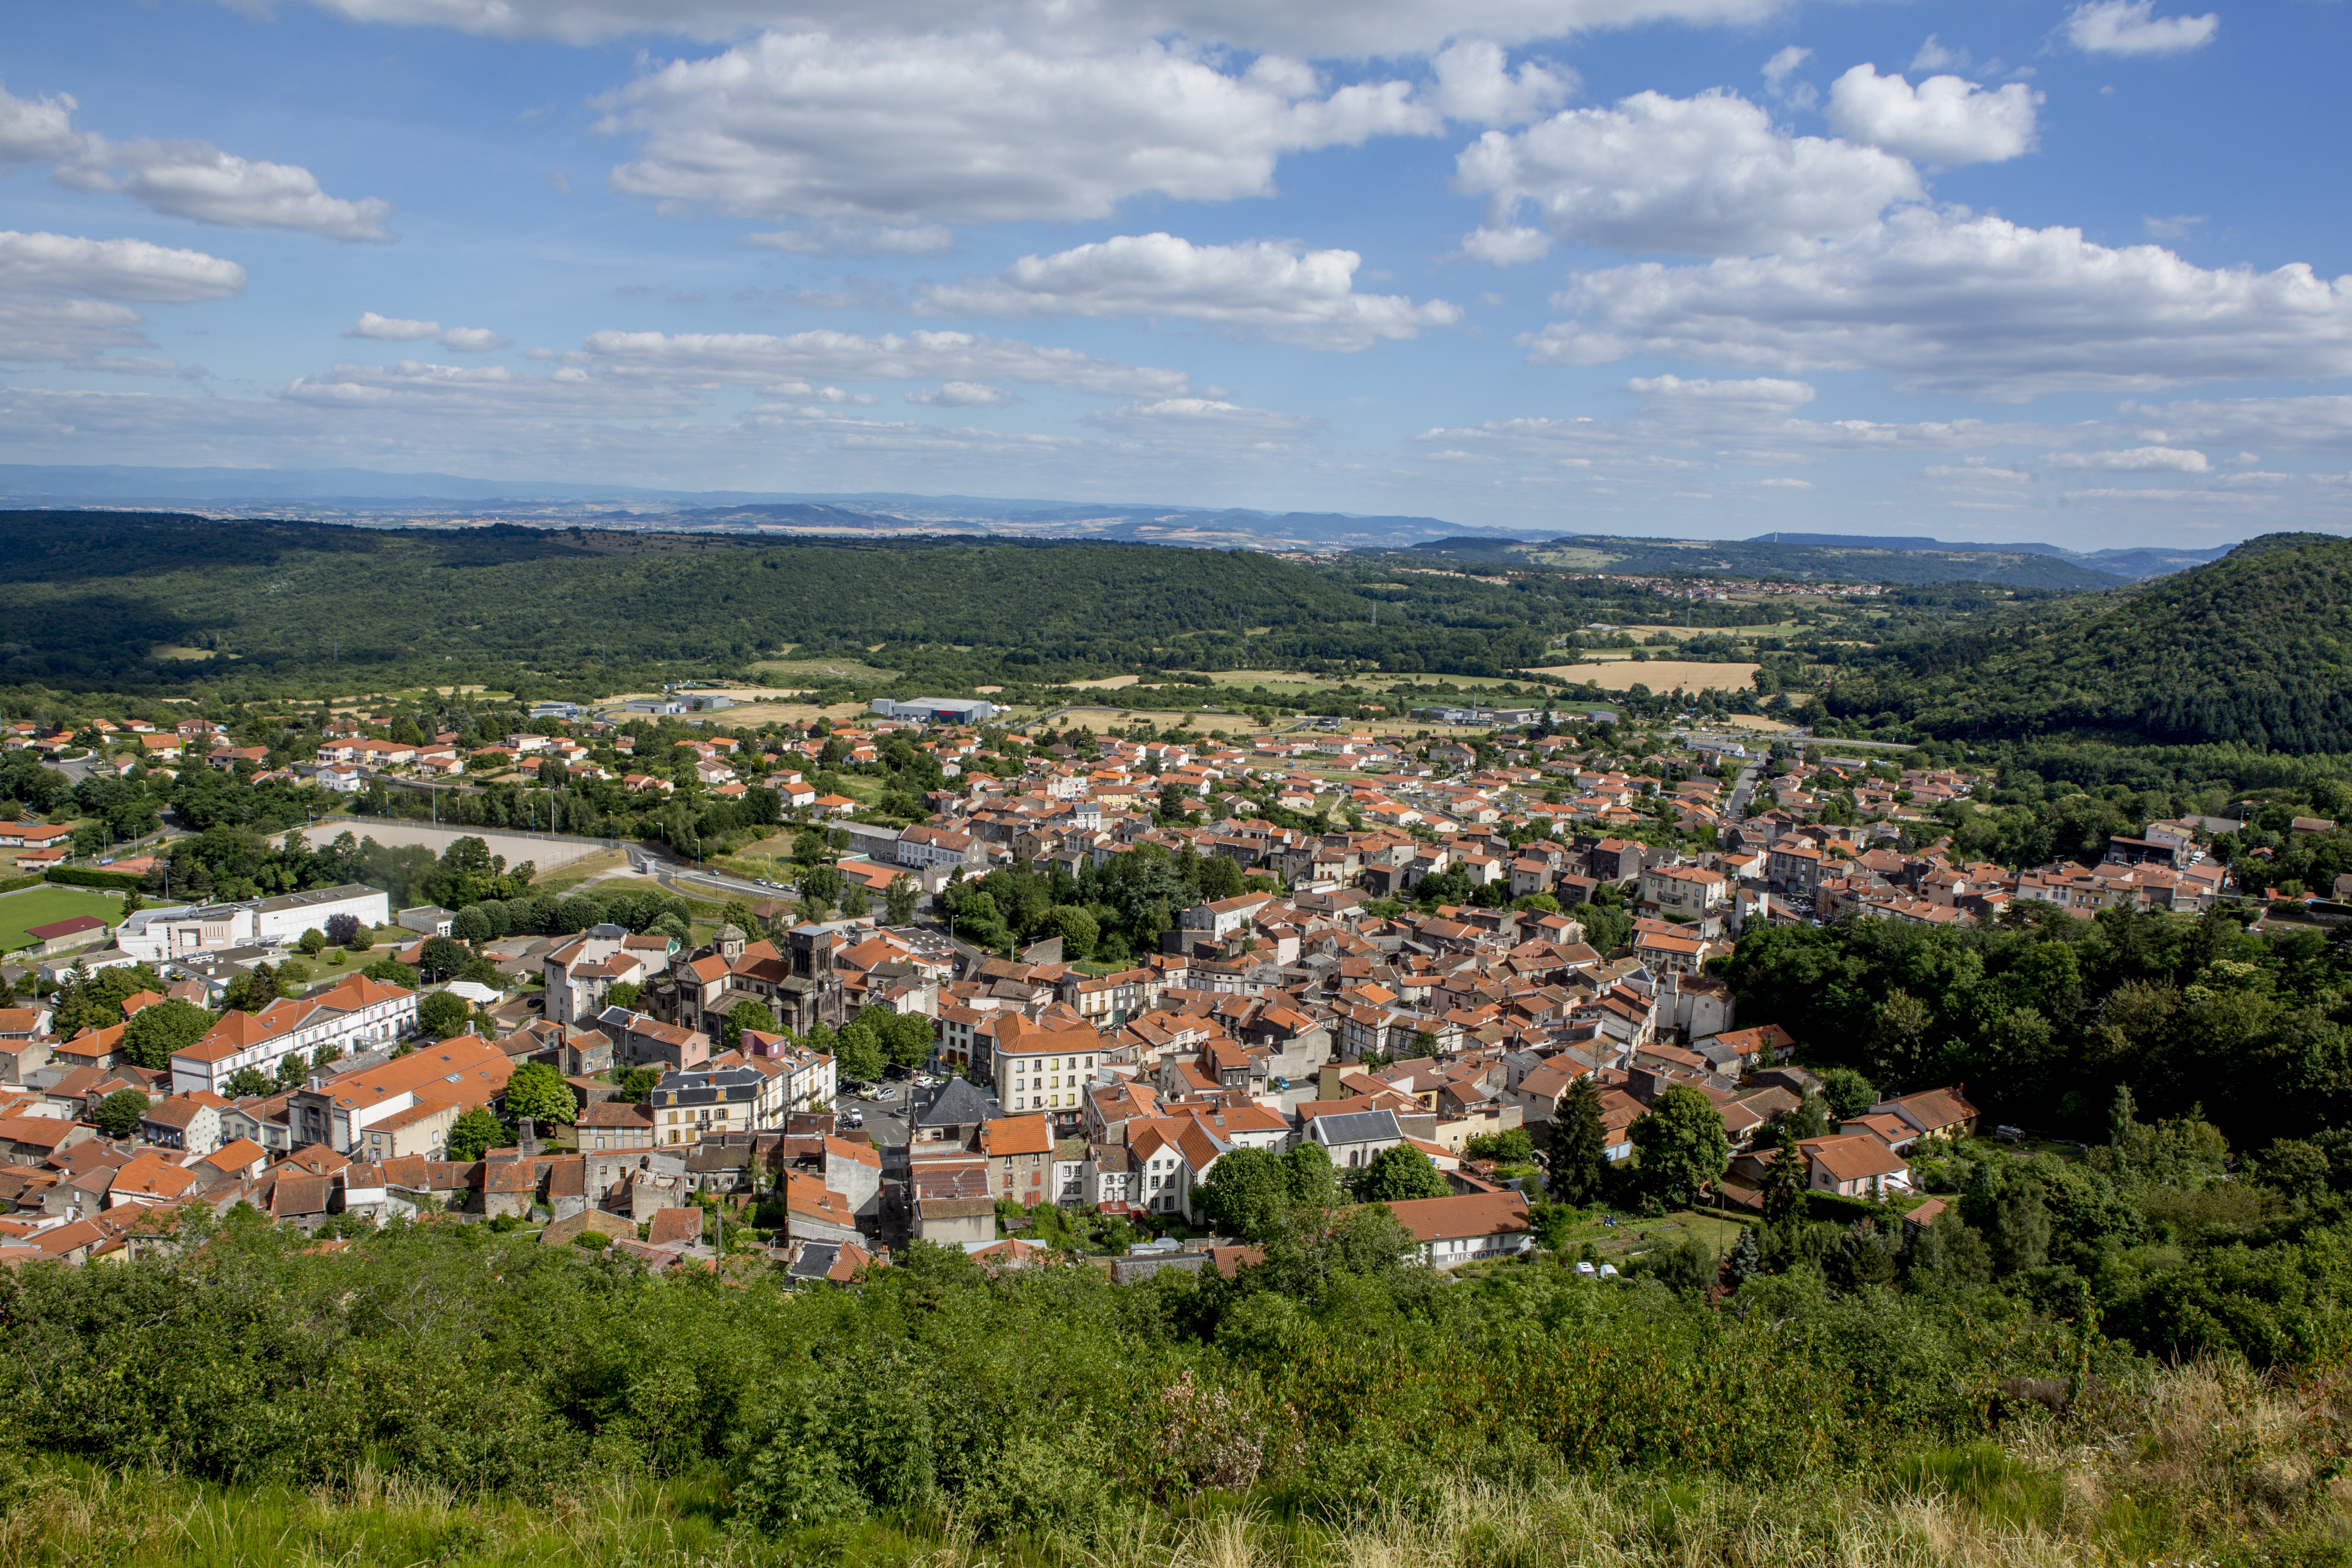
(2073, 272)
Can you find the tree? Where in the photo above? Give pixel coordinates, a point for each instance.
(635, 1083)
(326, 1055)
(1848, 1092)
(313, 942)
(738, 914)
(624, 994)
(474, 1132)
(392, 971)
(443, 958)
(158, 1029)
(898, 900)
(1396, 1173)
(1313, 1183)
(537, 1090)
(245, 1083)
(1784, 1180)
(345, 931)
(471, 924)
(1680, 1146)
(1247, 1194)
(1513, 1146)
(906, 1036)
(118, 1114)
(1577, 1148)
(855, 902)
(748, 1014)
(858, 1053)
(1809, 1118)
(1078, 929)
(1745, 1261)
(252, 991)
(442, 1014)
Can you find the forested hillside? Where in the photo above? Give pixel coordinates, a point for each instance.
(2254, 649)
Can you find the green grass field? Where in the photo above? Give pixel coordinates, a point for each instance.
(40, 906)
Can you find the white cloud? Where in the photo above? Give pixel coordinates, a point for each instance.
(396, 330)
(1206, 421)
(59, 297)
(186, 179)
(112, 269)
(962, 394)
(2318, 424)
(420, 387)
(1978, 304)
(2178, 226)
(196, 180)
(1782, 65)
(1785, 483)
(391, 329)
(2137, 460)
(1507, 247)
(757, 359)
(972, 129)
(1933, 57)
(1304, 298)
(864, 239)
(36, 130)
(1325, 28)
(1475, 85)
(1944, 119)
(2129, 28)
(1977, 471)
(1707, 176)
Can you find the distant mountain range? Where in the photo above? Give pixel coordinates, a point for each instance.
(368, 497)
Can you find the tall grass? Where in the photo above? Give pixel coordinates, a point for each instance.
(2201, 1465)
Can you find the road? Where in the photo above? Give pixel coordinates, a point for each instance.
(1743, 790)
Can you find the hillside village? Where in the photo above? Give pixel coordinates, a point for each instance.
(1404, 952)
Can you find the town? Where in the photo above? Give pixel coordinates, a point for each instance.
(1032, 1024)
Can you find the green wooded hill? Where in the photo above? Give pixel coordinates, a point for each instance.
(1809, 559)
(2254, 649)
(93, 597)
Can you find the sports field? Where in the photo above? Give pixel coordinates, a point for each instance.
(40, 906)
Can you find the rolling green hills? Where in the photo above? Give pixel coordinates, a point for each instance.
(2254, 649)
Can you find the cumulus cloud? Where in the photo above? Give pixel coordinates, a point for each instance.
(419, 386)
(1475, 85)
(864, 239)
(397, 330)
(974, 129)
(1704, 176)
(1978, 305)
(391, 329)
(2137, 460)
(1273, 288)
(36, 130)
(2131, 28)
(962, 394)
(1325, 28)
(1944, 119)
(113, 269)
(757, 359)
(1782, 65)
(196, 180)
(66, 301)
(1933, 57)
(186, 179)
(1205, 422)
